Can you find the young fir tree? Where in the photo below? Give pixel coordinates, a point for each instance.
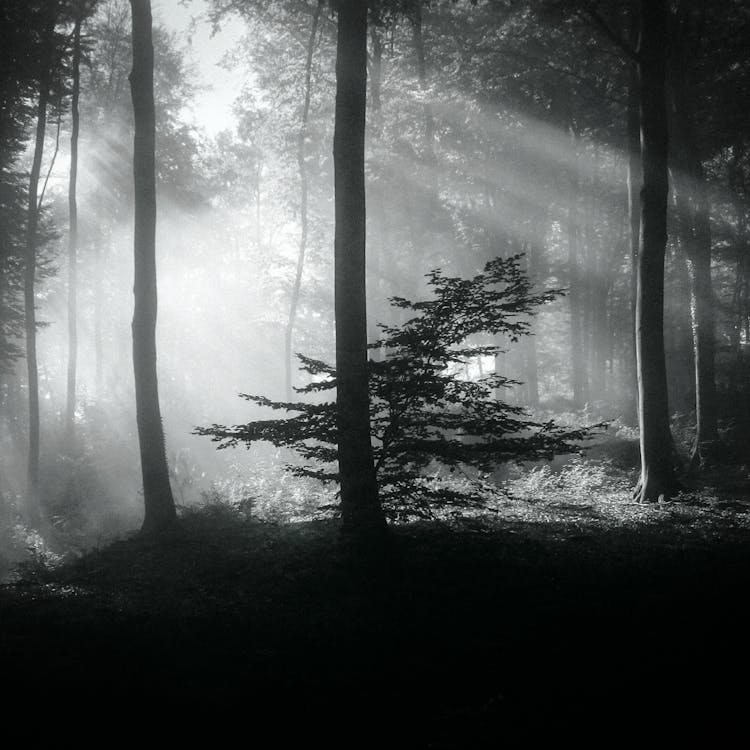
(424, 414)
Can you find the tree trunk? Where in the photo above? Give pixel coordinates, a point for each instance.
(691, 198)
(429, 120)
(32, 226)
(657, 475)
(376, 250)
(157, 493)
(635, 181)
(702, 309)
(534, 251)
(360, 504)
(73, 237)
(578, 369)
(302, 166)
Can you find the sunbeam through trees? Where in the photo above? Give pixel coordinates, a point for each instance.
(508, 241)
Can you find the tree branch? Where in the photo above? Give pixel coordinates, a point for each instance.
(612, 35)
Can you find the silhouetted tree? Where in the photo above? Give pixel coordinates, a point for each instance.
(657, 470)
(360, 504)
(157, 493)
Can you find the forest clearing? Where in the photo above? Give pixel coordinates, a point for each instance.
(378, 364)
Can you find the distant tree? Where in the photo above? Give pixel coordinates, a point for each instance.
(303, 199)
(157, 493)
(657, 470)
(694, 222)
(47, 51)
(79, 11)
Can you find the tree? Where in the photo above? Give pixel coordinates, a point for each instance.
(360, 505)
(159, 504)
(424, 413)
(694, 222)
(30, 263)
(657, 470)
(303, 209)
(73, 229)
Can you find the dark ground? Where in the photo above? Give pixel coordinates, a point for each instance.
(476, 636)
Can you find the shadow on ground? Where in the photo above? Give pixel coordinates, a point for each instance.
(468, 636)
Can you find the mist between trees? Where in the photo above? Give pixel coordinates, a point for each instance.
(603, 144)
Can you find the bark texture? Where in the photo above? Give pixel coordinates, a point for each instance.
(360, 505)
(657, 474)
(157, 493)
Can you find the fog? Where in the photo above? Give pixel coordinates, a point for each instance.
(465, 161)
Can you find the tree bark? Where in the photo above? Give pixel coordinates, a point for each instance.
(360, 504)
(303, 179)
(32, 226)
(73, 236)
(157, 493)
(657, 472)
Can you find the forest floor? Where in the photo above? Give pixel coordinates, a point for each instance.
(557, 615)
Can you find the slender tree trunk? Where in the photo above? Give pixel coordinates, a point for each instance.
(377, 249)
(73, 237)
(157, 493)
(360, 504)
(303, 179)
(702, 308)
(376, 76)
(98, 339)
(695, 228)
(32, 226)
(578, 370)
(429, 120)
(657, 470)
(531, 367)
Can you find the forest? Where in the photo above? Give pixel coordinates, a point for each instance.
(381, 363)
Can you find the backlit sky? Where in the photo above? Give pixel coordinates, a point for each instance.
(212, 108)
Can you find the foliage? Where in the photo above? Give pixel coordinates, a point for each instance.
(265, 492)
(426, 416)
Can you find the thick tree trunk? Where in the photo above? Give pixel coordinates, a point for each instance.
(157, 493)
(635, 181)
(360, 504)
(657, 471)
(73, 237)
(32, 226)
(303, 179)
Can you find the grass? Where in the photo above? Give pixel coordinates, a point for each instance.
(569, 607)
